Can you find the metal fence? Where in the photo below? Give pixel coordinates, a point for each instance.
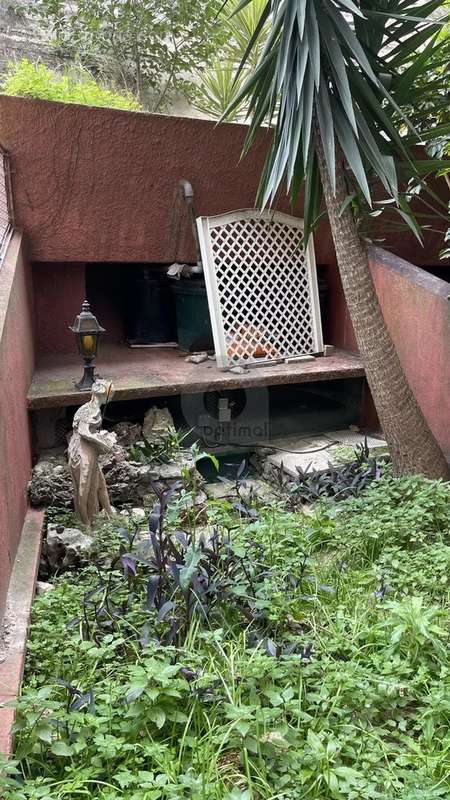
(6, 204)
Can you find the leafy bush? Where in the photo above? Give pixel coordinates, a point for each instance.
(405, 512)
(339, 481)
(309, 658)
(26, 79)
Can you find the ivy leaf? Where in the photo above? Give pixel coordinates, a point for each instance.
(62, 749)
(44, 732)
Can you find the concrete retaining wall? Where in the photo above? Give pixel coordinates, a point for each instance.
(416, 307)
(16, 367)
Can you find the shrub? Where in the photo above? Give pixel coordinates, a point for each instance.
(26, 79)
(311, 660)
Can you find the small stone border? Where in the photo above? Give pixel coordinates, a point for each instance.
(15, 627)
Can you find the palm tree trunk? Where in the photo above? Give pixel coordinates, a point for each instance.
(412, 446)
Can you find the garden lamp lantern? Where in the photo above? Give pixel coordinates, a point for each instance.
(87, 332)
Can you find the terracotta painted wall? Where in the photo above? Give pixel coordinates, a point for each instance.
(16, 367)
(416, 307)
(59, 290)
(99, 184)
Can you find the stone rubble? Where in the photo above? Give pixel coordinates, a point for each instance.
(129, 482)
(158, 422)
(66, 547)
(51, 483)
(197, 358)
(128, 433)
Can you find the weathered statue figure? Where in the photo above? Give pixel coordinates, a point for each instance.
(88, 442)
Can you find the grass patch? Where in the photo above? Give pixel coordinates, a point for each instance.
(286, 656)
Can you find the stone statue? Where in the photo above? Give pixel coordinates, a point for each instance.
(88, 442)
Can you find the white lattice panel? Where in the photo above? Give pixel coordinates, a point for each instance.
(261, 285)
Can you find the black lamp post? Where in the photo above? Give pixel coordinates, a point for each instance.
(87, 332)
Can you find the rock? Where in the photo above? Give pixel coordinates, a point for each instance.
(254, 489)
(221, 490)
(197, 358)
(158, 422)
(138, 514)
(128, 482)
(42, 587)
(123, 480)
(67, 547)
(51, 483)
(172, 471)
(251, 490)
(128, 433)
(117, 455)
(239, 370)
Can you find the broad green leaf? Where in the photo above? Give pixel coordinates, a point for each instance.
(60, 748)
(187, 572)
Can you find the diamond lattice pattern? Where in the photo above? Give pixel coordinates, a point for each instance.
(263, 287)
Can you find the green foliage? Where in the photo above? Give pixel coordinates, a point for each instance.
(339, 73)
(148, 47)
(333, 685)
(26, 79)
(403, 512)
(167, 448)
(218, 84)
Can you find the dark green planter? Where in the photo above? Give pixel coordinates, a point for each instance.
(193, 320)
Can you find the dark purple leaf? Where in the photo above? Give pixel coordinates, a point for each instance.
(164, 610)
(129, 563)
(156, 549)
(172, 632)
(167, 495)
(246, 511)
(152, 588)
(153, 518)
(271, 648)
(73, 623)
(124, 534)
(175, 572)
(189, 674)
(85, 699)
(181, 537)
(72, 689)
(134, 694)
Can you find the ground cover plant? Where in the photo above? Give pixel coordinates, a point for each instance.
(75, 85)
(275, 654)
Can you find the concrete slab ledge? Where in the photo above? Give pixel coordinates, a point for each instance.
(15, 625)
(143, 373)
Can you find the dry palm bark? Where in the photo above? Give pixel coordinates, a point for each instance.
(411, 442)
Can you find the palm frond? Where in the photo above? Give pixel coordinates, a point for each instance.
(341, 70)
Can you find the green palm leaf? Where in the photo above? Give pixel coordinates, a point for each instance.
(338, 70)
